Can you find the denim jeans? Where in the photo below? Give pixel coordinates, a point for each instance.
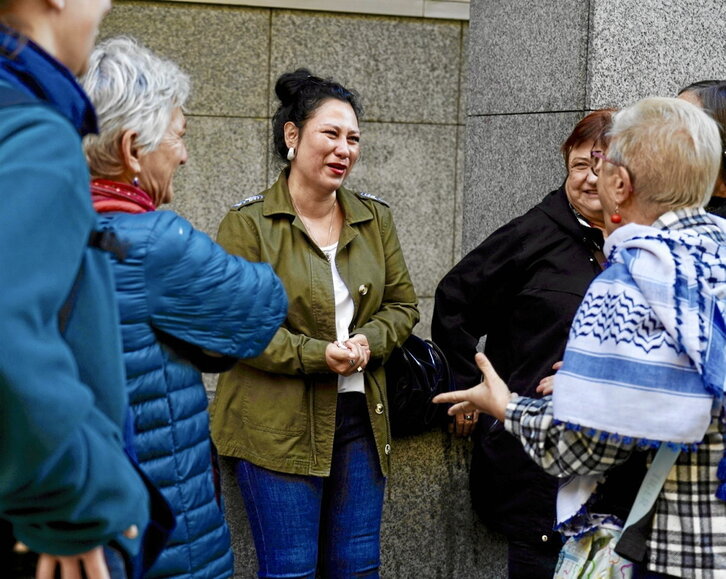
(330, 525)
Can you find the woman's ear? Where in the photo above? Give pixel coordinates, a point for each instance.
(130, 152)
(623, 186)
(291, 134)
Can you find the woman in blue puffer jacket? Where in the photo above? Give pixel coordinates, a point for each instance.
(185, 304)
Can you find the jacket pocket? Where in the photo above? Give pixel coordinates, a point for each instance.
(273, 403)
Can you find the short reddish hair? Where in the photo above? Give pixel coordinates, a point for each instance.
(592, 127)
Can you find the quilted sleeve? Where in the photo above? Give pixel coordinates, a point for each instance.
(199, 293)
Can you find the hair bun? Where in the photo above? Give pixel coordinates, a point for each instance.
(288, 85)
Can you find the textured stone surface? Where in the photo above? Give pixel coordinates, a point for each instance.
(413, 167)
(429, 529)
(459, 209)
(464, 78)
(426, 308)
(527, 56)
(224, 50)
(406, 70)
(649, 48)
(226, 164)
(513, 162)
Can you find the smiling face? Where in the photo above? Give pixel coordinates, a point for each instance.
(581, 184)
(327, 147)
(158, 167)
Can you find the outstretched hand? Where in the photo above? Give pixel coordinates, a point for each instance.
(490, 397)
(547, 384)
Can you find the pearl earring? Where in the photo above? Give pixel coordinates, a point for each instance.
(135, 181)
(291, 153)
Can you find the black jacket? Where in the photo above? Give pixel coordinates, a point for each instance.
(520, 288)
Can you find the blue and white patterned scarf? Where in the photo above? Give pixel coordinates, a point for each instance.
(646, 356)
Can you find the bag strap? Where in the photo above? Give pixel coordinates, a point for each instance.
(637, 528)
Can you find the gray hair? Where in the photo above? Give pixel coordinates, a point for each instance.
(671, 149)
(132, 90)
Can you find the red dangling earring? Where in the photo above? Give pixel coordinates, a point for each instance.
(615, 217)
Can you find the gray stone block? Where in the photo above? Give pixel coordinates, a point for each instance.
(429, 529)
(227, 160)
(406, 70)
(413, 167)
(426, 309)
(459, 206)
(653, 48)
(464, 79)
(224, 50)
(513, 162)
(527, 56)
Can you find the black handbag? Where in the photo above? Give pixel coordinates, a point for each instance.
(415, 373)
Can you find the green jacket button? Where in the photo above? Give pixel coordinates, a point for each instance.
(363, 289)
(379, 408)
(387, 449)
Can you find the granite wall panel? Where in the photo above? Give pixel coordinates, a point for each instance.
(653, 48)
(513, 162)
(406, 69)
(412, 167)
(225, 50)
(227, 163)
(527, 55)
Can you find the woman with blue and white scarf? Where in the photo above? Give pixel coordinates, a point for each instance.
(645, 363)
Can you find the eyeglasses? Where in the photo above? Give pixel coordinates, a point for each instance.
(596, 157)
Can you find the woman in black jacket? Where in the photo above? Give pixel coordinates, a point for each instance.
(521, 288)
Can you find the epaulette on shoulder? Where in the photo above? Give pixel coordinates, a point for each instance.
(248, 201)
(364, 195)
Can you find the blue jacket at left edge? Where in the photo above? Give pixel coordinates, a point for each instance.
(66, 484)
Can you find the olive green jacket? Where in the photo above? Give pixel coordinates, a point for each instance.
(278, 410)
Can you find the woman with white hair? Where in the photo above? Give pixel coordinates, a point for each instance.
(645, 364)
(185, 304)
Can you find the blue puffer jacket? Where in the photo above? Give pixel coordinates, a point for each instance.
(176, 280)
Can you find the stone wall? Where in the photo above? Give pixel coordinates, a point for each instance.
(411, 74)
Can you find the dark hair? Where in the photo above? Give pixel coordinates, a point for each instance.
(592, 127)
(698, 87)
(300, 95)
(713, 101)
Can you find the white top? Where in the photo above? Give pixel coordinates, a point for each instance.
(344, 310)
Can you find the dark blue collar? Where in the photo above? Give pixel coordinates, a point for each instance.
(26, 65)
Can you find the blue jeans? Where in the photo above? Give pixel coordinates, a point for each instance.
(307, 524)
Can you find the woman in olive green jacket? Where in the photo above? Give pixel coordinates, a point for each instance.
(308, 417)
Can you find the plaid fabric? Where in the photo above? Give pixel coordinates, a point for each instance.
(688, 538)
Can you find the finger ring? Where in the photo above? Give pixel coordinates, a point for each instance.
(468, 417)
(360, 369)
(351, 362)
